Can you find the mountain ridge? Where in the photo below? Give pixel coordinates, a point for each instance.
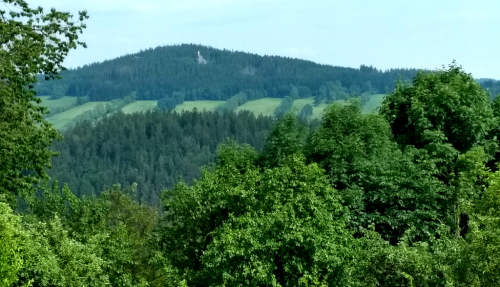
(158, 72)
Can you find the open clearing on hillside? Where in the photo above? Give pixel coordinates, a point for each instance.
(319, 110)
(59, 103)
(139, 106)
(61, 119)
(210, 106)
(264, 106)
(373, 103)
(298, 104)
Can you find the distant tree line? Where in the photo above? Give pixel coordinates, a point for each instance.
(232, 103)
(56, 110)
(493, 87)
(164, 70)
(169, 102)
(306, 112)
(285, 106)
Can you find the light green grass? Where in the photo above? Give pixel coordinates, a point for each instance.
(319, 110)
(264, 106)
(209, 106)
(59, 103)
(298, 104)
(139, 106)
(61, 119)
(373, 103)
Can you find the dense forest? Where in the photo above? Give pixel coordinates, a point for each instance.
(152, 149)
(173, 74)
(157, 73)
(492, 86)
(405, 196)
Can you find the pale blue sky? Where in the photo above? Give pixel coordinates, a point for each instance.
(385, 34)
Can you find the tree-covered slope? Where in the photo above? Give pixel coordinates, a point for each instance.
(493, 86)
(152, 149)
(157, 72)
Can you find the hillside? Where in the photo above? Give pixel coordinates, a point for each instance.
(156, 73)
(152, 149)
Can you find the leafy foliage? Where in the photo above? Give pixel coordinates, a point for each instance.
(32, 42)
(405, 198)
(10, 253)
(448, 115)
(381, 185)
(480, 255)
(445, 106)
(93, 241)
(409, 263)
(287, 137)
(257, 228)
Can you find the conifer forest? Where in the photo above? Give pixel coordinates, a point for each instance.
(405, 195)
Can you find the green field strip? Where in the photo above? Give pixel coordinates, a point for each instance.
(209, 106)
(373, 103)
(61, 119)
(59, 103)
(139, 106)
(264, 106)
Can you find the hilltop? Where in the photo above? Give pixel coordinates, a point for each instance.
(156, 73)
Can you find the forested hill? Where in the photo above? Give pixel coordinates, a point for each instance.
(152, 149)
(155, 73)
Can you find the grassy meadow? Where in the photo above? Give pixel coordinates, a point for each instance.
(298, 104)
(373, 103)
(139, 106)
(59, 103)
(61, 119)
(209, 106)
(264, 106)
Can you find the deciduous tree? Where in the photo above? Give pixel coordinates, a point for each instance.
(31, 42)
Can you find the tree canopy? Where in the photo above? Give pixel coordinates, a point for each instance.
(32, 42)
(279, 226)
(156, 73)
(409, 196)
(446, 106)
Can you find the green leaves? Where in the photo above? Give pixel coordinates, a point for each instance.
(380, 184)
(10, 242)
(288, 137)
(53, 258)
(448, 101)
(409, 263)
(93, 241)
(31, 43)
(240, 226)
(298, 232)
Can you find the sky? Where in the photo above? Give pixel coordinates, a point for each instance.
(386, 34)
